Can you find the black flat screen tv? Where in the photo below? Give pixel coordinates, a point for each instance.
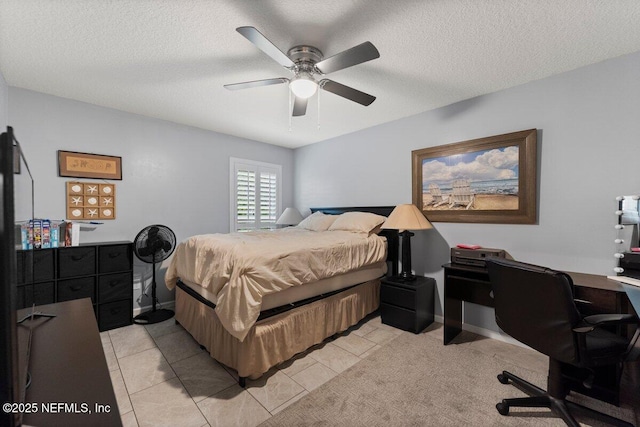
(14, 339)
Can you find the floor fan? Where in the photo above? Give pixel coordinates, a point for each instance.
(153, 244)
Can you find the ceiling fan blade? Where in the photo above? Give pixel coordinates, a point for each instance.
(256, 83)
(263, 43)
(356, 55)
(347, 92)
(299, 107)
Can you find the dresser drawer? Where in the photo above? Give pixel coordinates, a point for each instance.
(76, 261)
(112, 287)
(114, 258)
(36, 265)
(395, 295)
(84, 287)
(40, 294)
(114, 315)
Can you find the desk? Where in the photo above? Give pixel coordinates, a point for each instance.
(68, 365)
(471, 284)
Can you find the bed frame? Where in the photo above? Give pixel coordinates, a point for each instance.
(196, 314)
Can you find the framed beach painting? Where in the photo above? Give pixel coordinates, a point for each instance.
(486, 180)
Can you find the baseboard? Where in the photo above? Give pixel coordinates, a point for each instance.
(168, 305)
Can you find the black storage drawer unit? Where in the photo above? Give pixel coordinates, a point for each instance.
(36, 266)
(114, 258)
(82, 287)
(100, 271)
(76, 261)
(114, 315)
(407, 305)
(113, 287)
(39, 293)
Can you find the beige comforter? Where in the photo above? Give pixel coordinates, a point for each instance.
(241, 268)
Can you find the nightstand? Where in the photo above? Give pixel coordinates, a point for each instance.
(407, 305)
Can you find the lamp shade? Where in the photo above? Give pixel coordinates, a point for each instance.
(407, 217)
(290, 216)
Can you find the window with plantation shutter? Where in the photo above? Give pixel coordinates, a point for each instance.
(255, 194)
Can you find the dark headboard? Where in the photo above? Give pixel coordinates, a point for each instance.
(391, 235)
(379, 210)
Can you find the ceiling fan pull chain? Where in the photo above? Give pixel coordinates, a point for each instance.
(319, 109)
(290, 110)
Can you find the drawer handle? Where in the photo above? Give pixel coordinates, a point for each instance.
(115, 310)
(114, 254)
(78, 257)
(75, 288)
(114, 283)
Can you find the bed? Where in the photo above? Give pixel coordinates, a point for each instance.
(255, 300)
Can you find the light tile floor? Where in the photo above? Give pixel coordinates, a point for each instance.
(161, 377)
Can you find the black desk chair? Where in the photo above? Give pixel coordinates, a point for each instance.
(535, 306)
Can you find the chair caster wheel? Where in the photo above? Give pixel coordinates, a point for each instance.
(502, 408)
(503, 379)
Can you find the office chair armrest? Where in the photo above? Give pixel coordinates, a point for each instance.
(589, 323)
(582, 304)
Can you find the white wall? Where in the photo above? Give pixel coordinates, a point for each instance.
(588, 123)
(172, 174)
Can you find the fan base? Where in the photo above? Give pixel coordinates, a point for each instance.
(151, 317)
(303, 53)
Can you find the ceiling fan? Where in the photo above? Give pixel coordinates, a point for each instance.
(307, 63)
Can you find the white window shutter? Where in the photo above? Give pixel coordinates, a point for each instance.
(255, 194)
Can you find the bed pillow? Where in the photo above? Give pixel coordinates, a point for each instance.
(317, 221)
(358, 222)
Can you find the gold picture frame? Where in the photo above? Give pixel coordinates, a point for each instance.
(86, 165)
(486, 180)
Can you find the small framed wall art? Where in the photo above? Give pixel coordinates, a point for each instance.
(85, 165)
(90, 201)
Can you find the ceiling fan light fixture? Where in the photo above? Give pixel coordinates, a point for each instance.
(303, 85)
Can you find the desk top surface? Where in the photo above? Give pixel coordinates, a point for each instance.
(595, 281)
(68, 365)
(586, 280)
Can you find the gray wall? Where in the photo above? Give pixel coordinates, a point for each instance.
(4, 103)
(588, 123)
(172, 174)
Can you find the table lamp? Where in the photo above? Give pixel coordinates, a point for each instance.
(404, 218)
(290, 216)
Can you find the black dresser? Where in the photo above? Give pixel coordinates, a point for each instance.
(100, 271)
(407, 305)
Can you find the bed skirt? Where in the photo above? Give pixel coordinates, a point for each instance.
(278, 338)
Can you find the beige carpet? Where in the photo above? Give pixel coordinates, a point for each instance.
(417, 381)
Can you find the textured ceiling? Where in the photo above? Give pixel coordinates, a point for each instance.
(170, 59)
